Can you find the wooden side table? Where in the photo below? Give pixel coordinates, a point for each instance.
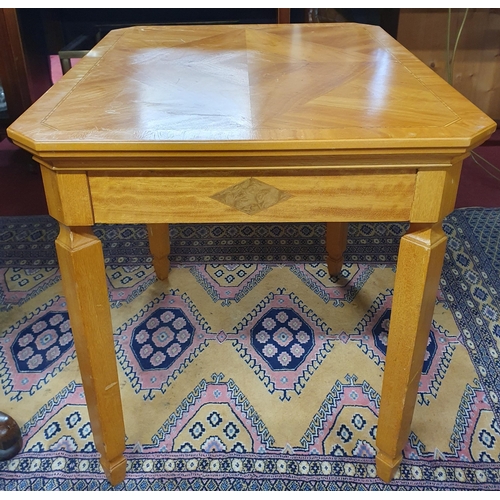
(261, 123)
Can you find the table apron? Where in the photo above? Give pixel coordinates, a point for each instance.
(156, 199)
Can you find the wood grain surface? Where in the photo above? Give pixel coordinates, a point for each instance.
(302, 86)
(81, 263)
(342, 198)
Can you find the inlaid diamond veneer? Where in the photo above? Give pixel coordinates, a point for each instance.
(251, 196)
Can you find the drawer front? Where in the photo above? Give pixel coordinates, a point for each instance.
(156, 199)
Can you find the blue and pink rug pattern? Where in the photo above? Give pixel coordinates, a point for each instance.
(279, 344)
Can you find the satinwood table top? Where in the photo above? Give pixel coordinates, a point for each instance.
(249, 87)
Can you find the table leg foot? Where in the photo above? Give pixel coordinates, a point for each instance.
(159, 245)
(387, 467)
(336, 243)
(115, 470)
(420, 260)
(334, 266)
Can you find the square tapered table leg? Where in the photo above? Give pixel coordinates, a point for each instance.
(84, 283)
(420, 260)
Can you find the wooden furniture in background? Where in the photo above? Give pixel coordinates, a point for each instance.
(477, 60)
(13, 73)
(265, 123)
(24, 66)
(283, 16)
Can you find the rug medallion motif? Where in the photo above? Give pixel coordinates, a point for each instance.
(256, 374)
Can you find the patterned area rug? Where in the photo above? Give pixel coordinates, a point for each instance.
(251, 369)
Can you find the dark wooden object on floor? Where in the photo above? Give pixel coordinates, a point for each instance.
(11, 441)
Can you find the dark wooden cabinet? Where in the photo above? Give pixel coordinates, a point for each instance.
(24, 62)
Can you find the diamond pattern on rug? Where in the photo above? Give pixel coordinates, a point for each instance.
(472, 288)
(215, 417)
(240, 243)
(475, 436)
(158, 342)
(333, 438)
(371, 336)
(356, 429)
(482, 441)
(160, 339)
(214, 428)
(485, 224)
(28, 241)
(283, 341)
(125, 283)
(18, 285)
(67, 430)
(337, 289)
(485, 442)
(229, 283)
(35, 349)
(346, 421)
(127, 244)
(62, 424)
(282, 338)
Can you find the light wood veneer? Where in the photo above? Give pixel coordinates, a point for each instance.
(259, 123)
